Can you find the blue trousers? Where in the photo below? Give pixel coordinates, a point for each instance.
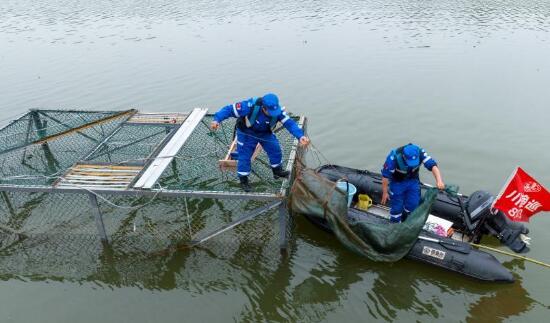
(246, 144)
(404, 198)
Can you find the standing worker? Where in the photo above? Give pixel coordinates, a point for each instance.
(257, 118)
(401, 172)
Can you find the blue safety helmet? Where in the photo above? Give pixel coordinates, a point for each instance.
(271, 102)
(411, 154)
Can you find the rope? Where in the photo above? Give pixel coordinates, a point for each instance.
(511, 254)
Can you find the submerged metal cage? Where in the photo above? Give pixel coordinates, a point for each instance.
(141, 183)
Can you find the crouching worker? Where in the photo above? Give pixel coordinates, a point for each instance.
(257, 118)
(401, 172)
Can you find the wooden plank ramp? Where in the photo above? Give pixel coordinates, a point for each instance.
(155, 169)
(160, 118)
(96, 176)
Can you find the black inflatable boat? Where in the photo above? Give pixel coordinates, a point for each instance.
(471, 217)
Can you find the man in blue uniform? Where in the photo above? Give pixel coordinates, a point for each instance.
(401, 172)
(257, 118)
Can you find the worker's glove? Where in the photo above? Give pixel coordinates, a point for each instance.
(214, 125)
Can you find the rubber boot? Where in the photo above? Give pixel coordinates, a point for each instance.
(395, 218)
(404, 216)
(279, 172)
(245, 185)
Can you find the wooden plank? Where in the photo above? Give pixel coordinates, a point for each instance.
(79, 166)
(160, 118)
(92, 186)
(165, 157)
(99, 176)
(104, 171)
(99, 179)
(85, 126)
(229, 163)
(84, 183)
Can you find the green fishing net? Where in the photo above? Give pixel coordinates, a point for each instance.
(317, 197)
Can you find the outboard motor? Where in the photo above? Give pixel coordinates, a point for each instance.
(480, 219)
(478, 209)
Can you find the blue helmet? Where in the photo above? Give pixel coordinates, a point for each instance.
(411, 154)
(271, 102)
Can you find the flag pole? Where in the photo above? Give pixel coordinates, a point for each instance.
(505, 186)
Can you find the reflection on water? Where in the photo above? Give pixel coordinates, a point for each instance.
(454, 76)
(317, 279)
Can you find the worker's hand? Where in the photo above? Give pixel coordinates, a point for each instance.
(214, 125)
(440, 185)
(304, 141)
(385, 198)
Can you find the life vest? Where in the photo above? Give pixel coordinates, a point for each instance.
(402, 171)
(248, 121)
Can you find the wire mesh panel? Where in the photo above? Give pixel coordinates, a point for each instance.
(43, 163)
(196, 165)
(47, 233)
(39, 124)
(132, 144)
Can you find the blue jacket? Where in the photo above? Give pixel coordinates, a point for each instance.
(263, 122)
(390, 166)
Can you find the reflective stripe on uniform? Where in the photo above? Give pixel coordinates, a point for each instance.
(235, 111)
(286, 116)
(243, 173)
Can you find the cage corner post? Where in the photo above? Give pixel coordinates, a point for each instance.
(98, 219)
(283, 222)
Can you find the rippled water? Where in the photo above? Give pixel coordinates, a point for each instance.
(468, 80)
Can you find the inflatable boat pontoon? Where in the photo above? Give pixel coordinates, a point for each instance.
(471, 217)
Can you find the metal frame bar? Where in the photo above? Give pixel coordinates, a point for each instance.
(247, 217)
(283, 239)
(302, 122)
(137, 193)
(22, 117)
(75, 111)
(98, 219)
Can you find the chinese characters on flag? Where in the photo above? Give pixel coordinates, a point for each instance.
(522, 197)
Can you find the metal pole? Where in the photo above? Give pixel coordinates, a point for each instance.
(283, 217)
(249, 216)
(98, 219)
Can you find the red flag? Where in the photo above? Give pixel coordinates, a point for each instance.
(522, 197)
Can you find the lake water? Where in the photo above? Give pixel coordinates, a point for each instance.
(468, 80)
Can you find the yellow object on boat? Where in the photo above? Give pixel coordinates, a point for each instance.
(364, 202)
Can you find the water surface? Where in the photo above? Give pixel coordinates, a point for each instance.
(467, 80)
